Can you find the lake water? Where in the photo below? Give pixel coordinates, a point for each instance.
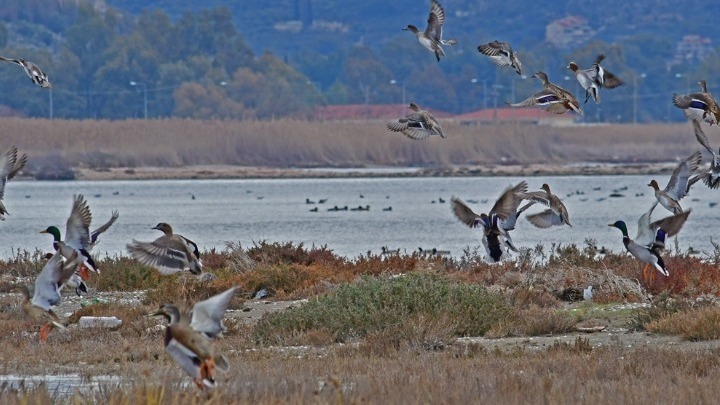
(275, 210)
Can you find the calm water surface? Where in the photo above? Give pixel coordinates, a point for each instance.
(275, 209)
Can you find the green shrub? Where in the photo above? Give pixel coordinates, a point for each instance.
(369, 305)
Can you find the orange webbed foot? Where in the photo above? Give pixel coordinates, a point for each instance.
(44, 332)
(83, 272)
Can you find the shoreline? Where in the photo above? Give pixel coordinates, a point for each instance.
(216, 172)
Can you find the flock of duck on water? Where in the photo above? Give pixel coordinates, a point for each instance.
(189, 334)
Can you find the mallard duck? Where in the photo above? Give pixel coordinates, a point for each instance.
(678, 185)
(556, 214)
(47, 289)
(431, 38)
(501, 54)
(77, 234)
(10, 165)
(650, 239)
(189, 343)
(552, 98)
(77, 281)
(498, 222)
(419, 124)
(169, 253)
(32, 70)
(591, 88)
(699, 106)
(711, 177)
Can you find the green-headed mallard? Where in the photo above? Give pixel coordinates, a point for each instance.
(678, 186)
(418, 124)
(650, 239)
(32, 70)
(431, 38)
(556, 214)
(552, 98)
(501, 54)
(48, 283)
(77, 233)
(711, 176)
(10, 165)
(699, 106)
(189, 343)
(169, 253)
(498, 222)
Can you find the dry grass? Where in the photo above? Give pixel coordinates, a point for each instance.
(400, 332)
(693, 324)
(283, 143)
(561, 374)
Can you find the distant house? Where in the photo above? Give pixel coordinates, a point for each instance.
(350, 112)
(522, 115)
(569, 32)
(691, 47)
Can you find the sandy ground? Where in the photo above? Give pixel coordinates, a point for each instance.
(243, 172)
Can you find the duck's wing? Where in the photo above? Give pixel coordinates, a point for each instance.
(7, 163)
(545, 219)
(435, 21)
(696, 106)
(53, 275)
(543, 98)
(167, 253)
(77, 231)
(94, 235)
(11, 60)
(677, 187)
(609, 80)
(207, 315)
(701, 137)
(645, 234)
(19, 164)
(187, 360)
(499, 52)
(465, 214)
(509, 201)
(672, 224)
(509, 223)
(413, 129)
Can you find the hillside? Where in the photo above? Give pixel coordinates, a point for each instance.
(258, 60)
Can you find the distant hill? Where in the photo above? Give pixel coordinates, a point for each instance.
(265, 24)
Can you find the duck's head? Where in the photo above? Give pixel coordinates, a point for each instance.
(573, 66)
(542, 76)
(414, 107)
(169, 311)
(621, 226)
(546, 187)
(166, 228)
(54, 231)
(411, 28)
(654, 185)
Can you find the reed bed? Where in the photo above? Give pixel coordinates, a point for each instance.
(298, 143)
